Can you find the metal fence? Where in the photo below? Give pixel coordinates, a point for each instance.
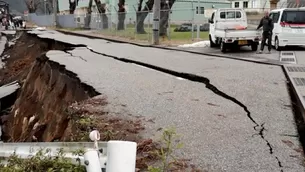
(133, 25)
(138, 25)
(290, 4)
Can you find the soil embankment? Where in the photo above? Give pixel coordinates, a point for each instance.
(47, 90)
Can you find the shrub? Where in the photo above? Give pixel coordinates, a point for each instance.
(42, 161)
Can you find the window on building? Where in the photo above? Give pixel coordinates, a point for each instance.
(245, 4)
(236, 4)
(230, 15)
(201, 10)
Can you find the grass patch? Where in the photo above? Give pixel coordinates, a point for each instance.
(130, 33)
(74, 29)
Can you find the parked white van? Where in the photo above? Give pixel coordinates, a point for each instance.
(289, 27)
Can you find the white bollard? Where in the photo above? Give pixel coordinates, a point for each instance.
(121, 156)
(95, 136)
(92, 161)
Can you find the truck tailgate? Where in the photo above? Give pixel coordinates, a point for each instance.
(240, 34)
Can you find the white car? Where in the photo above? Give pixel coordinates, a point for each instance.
(289, 27)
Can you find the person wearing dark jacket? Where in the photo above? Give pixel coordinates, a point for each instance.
(267, 24)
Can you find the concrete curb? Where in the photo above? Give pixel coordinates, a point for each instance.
(297, 89)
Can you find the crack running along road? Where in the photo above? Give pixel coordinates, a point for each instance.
(200, 79)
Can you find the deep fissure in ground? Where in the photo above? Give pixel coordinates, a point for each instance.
(294, 101)
(259, 128)
(47, 89)
(208, 85)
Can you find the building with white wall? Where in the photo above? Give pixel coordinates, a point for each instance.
(282, 4)
(250, 4)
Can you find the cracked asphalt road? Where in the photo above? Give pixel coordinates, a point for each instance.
(218, 134)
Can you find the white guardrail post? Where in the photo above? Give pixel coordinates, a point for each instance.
(121, 156)
(92, 161)
(113, 156)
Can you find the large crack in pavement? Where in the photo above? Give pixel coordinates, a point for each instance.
(271, 151)
(200, 79)
(67, 51)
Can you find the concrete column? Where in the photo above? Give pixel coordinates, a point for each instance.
(156, 21)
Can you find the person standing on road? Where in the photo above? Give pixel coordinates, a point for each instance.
(267, 24)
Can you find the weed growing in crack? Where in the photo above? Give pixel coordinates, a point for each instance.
(108, 134)
(170, 144)
(42, 161)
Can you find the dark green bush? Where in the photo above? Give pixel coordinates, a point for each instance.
(41, 162)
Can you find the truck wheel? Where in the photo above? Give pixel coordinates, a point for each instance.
(223, 47)
(277, 44)
(212, 44)
(254, 47)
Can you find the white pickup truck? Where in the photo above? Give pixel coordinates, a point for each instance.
(229, 30)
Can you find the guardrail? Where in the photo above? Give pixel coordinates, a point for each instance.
(115, 156)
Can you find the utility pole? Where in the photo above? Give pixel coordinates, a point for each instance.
(45, 7)
(55, 12)
(199, 18)
(156, 21)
